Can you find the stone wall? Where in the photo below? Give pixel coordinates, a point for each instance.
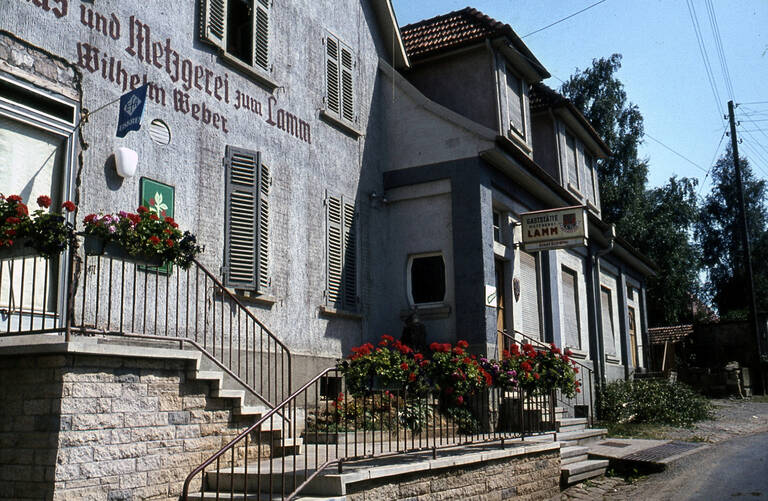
(534, 476)
(97, 427)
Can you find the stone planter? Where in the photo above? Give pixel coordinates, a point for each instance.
(95, 246)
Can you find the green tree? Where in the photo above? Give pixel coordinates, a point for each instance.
(671, 213)
(719, 234)
(601, 98)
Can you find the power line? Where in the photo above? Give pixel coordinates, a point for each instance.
(755, 102)
(755, 154)
(677, 153)
(564, 19)
(719, 47)
(712, 162)
(704, 55)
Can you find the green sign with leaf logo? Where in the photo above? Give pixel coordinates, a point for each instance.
(160, 199)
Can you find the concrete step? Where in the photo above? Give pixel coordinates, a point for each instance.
(238, 496)
(571, 424)
(573, 454)
(577, 472)
(580, 437)
(287, 446)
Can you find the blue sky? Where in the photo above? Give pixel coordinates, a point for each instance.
(662, 68)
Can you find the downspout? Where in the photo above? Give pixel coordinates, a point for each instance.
(596, 255)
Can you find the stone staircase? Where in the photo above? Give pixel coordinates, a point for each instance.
(574, 438)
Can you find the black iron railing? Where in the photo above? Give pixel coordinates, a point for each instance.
(331, 427)
(118, 296)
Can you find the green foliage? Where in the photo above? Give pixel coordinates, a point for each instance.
(720, 237)
(652, 401)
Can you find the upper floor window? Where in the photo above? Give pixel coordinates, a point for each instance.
(341, 256)
(426, 279)
(497, 232)
(570, 160)
(515, 105)
(339, 80)
(240, 28)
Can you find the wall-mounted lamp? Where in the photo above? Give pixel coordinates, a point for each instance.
(126, 161)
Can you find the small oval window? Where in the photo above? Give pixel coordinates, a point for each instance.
(159, 132)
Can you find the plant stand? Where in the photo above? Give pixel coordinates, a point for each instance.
(17, 251)
(95, 246)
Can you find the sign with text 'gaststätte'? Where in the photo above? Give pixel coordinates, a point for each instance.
(555, 228)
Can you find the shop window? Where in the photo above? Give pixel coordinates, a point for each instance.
(426, 279)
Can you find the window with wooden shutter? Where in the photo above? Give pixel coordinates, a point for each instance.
(515, 103)
(340, 80)
(246, 229)
(570, 297)
(606, 308)
(261, 34)
(529, 296)
(570, 160)
(341, 252)
(214, 22)
(589, 181)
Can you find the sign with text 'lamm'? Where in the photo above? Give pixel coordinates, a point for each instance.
(555, 228)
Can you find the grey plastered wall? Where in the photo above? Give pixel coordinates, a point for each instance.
(464, 82)
(192, 162)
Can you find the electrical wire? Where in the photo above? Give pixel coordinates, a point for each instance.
(719, 48)
(564, 19)
(677, 153)
(713, 161)
(704, 55)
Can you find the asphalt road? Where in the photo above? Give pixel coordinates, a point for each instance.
(733, 469)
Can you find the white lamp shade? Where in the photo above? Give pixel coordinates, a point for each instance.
(126, 161)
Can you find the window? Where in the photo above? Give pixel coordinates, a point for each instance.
(426, 279)
(515, 103)
(606, 307)
(239, 28)
(497, 234)
(341, 251)
(570, 160)
(571, 318)
(246, 229)
(339, 80)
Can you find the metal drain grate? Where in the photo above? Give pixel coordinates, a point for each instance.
(613, 444)
(661, 451)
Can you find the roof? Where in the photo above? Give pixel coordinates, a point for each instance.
(390, 33)
(672, 333)
(458, 29)
(542, 97)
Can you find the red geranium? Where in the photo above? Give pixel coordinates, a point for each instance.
(14, 198)
(154, 240)
(44, 201)
(68, 205)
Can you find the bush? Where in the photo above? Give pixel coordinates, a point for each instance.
(652, 401)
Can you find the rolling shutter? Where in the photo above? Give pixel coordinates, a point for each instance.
(570, 305)
(261, 34)
(347, 85)
(529, 296)
(213, 27)
(606, 309)
(341, 248)
(332, 75)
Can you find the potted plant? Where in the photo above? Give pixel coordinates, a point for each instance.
(46, 233)
(142, 237)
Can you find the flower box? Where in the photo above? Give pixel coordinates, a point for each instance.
(17, 251)
(95, 246)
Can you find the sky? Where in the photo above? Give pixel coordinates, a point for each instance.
(663, 70)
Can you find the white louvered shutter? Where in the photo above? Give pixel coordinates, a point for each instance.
(213, 26)
(571, 309)
(265, 182)
(261, 34)
(333, 97)
(347, 85)
(335, 258)
(350, 258)
(529, 296)
(606, 308)
(240, 233)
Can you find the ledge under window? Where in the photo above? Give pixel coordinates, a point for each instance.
(430, 311)
(327, 311)
(253, 297)
(577, 353)
(343, 125)
(259, 75)
(612, 360)
(593, 207)
(575, 190)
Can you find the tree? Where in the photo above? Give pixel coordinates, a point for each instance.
(671, 213)
(719, 234)
(601, 98)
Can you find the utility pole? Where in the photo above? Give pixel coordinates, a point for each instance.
(745, 240)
